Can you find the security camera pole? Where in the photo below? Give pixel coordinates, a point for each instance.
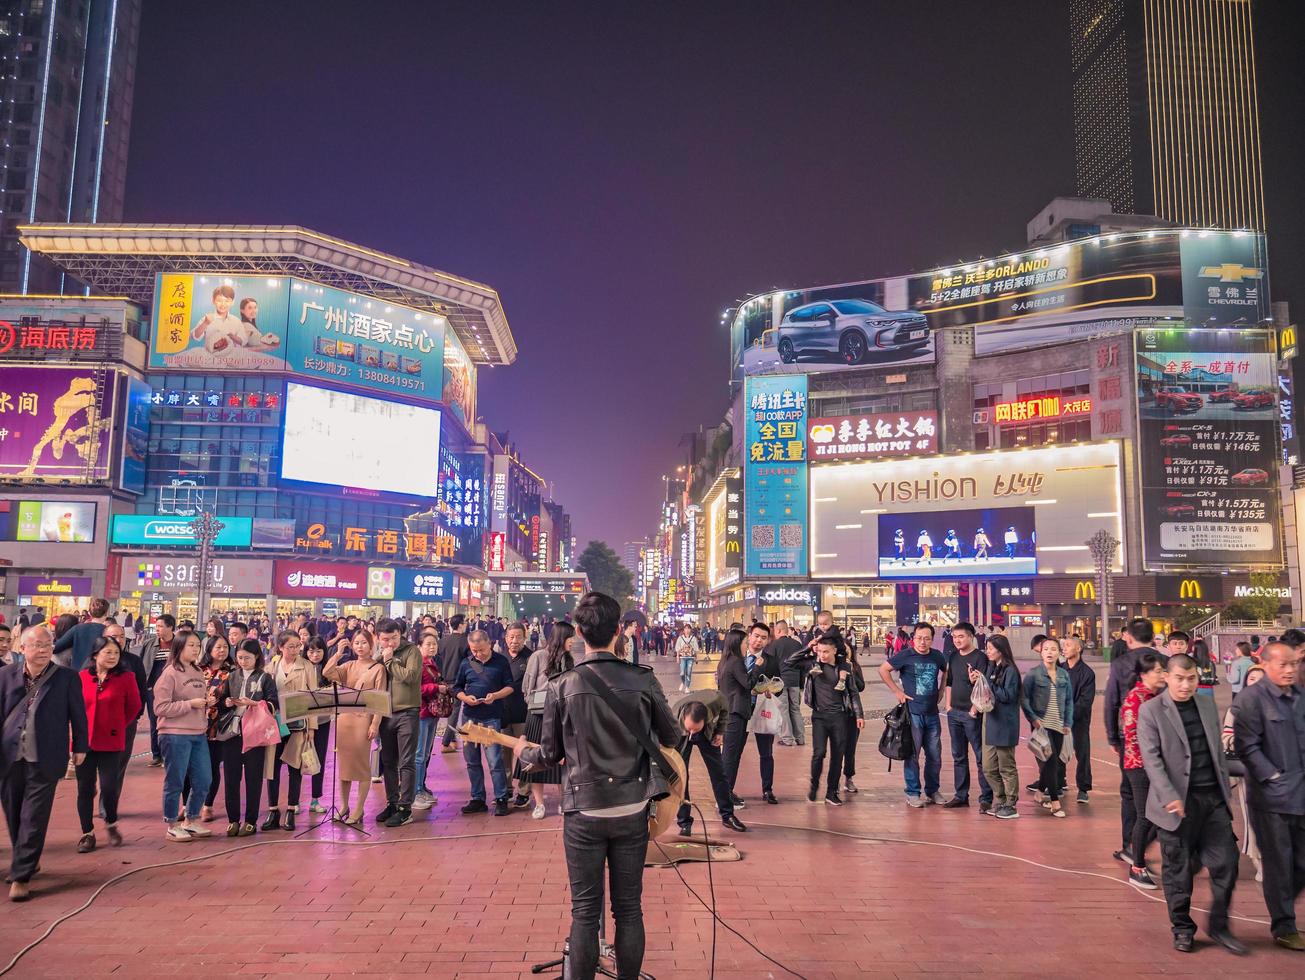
(206, 528)
(1103, 545)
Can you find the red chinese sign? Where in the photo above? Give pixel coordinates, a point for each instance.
(873, 435)
(45, 337)
(1044, 407)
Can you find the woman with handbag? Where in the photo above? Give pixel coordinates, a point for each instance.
(315, 651)
(1001, 727)
(245, 685)
(291, 673)
(216, 664)
(436, 703)
(354, 733)
(112, 704)
(542, 667)
(1049, 707)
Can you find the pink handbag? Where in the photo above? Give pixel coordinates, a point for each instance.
(258, 727)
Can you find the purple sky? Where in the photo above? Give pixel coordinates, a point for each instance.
(622, 173)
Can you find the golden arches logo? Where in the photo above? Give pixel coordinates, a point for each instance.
(1085, 590)
(1189, 589)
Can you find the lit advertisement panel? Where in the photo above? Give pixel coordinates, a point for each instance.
(958, 543)
(1208, 419)
(1068, 492)
(459, 380)
(135, 435)
(55, 423)
(775, 476)
(338, 439)
(48, 520)
(219, 323)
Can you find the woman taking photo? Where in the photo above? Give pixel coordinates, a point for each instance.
(246, 683)
(291, 672)
(112, 704)
(1001, 728)
(354, 734)
(216, 664)
(544, 665)
(315, 651)
(1048, 705)
(181, 698)
(1150, 682)
(687, 649)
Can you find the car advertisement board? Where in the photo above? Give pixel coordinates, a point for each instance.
(293, 579)
(135, 435)
(1068, 492)
(55, 423)
(775, 476)
(873, 436)
(1110, 284)
(170, 574)
(1208, 453)
(177, 532)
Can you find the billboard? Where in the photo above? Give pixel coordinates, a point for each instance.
(334, 438)
(873, 435)
(1208, 432)
(459, 380)
(61, 521)
(219, 323)
(775, 476)
(176, 532)
(37, 585)
(408, 584)
(135, 435)
(167, 573)
(294, 579)
(1066, 493)
(55, 423)
(1110, 284)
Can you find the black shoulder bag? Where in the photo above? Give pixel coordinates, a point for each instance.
(644, 739)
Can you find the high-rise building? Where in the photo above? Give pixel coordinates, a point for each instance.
(1166, 118)
(67, 74)
(632, 556)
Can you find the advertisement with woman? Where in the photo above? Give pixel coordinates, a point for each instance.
(220, 323)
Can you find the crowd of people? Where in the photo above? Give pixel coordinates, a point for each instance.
(74, 696)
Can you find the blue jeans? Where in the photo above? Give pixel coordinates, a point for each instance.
(964, 733)
(184, 756)
(476, 772)
(927, 732)
(686, 671)
(425, 743)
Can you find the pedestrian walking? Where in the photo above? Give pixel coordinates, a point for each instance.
(1150, 682)
(112, 701)
(181, 700)
(1083, 688)
(1049, 707)
(1001, 727)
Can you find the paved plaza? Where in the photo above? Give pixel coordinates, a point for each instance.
(870, 889)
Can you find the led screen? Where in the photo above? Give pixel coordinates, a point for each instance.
(334, 438)
(54, 520)
(958, 543)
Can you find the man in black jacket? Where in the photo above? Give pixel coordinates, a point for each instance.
(782, 647)
(607, 783)
(42, 710)
(702, 717)
(1083, 682)
(761, 662)
(453, 650)
(831, 694)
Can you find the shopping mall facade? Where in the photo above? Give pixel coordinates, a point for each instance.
(316, 395)
(943, 446)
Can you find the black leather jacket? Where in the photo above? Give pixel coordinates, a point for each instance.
(605, 765)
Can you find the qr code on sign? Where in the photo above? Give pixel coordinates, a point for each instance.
(763, 535)
(790, 535)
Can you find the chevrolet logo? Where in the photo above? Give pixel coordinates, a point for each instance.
(1231, 272)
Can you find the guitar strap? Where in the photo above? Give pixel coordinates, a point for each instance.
(644, 739)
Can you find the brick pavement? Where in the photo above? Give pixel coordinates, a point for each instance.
(871, 889)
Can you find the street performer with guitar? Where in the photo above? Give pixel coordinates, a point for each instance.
(605, 718)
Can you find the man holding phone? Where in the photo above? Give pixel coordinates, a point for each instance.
(964, 727)
(483, 680)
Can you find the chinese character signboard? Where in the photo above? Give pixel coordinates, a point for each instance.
(219, 323)
(49, 339)
(55, 423)
(497, 551)
(874, 435)
(1208, 428)
(1041, 407)
(775, 475)
(315, 580)
(410, 584)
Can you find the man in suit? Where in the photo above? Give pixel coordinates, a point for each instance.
(1179, 737)
(41, 705)
(1269, 736)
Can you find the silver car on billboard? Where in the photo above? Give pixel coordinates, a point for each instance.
(850, 331)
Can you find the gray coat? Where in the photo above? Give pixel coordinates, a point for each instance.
(1162, 740)
(1264, 735)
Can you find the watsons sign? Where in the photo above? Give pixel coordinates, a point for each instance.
(153, 529)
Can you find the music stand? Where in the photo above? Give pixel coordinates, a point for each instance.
(329, 702)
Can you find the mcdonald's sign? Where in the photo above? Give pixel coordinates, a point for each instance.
(1085, 589)
(1287, 343)
(1198, 589)
(1189, 589)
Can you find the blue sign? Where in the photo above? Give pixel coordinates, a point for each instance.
(365, 342)
(424, 586)
(775, 476)
(176, 532)
(135, 435)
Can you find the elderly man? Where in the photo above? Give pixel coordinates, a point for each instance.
(1083, 687)
(1269, 736)
(42, 708)
(483, 681)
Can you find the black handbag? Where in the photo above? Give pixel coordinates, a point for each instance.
(228, 727)
(897, 742)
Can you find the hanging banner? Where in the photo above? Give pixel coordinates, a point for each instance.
(775, 475)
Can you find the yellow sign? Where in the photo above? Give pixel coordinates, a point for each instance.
(1231, 272)
(1287, 343)
(175, 296)
(1085, 590)
(1190, 589)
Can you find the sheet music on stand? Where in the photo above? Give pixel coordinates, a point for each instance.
(325, 702)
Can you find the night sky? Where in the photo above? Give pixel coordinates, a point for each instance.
(623, 172)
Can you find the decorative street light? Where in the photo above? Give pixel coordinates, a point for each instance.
(206, 527)
(1103, 545)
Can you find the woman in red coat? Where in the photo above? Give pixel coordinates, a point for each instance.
(112, 703)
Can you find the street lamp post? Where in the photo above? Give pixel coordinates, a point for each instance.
(1103, 545)
(206, 527)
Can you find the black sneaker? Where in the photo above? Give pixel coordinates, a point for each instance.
(955, 803)
(389, 811)
(501, 808)
(833, 799)
(686, 831)
(811, 796)
(738, 802)
(520, 802)
(1124, 857)
(155, 762)
(402, 815)
(1142, 879)
(1033, 787)
(475, 806)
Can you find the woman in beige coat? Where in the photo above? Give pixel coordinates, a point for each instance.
(292, 672)
(354, 732)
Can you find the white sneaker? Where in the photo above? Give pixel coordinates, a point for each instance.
(177, 834)
(538, 813)
(937, 799)
(423, 801)
(914, 801)
(195, 830)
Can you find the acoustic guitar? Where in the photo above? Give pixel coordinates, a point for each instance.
(661, 816)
